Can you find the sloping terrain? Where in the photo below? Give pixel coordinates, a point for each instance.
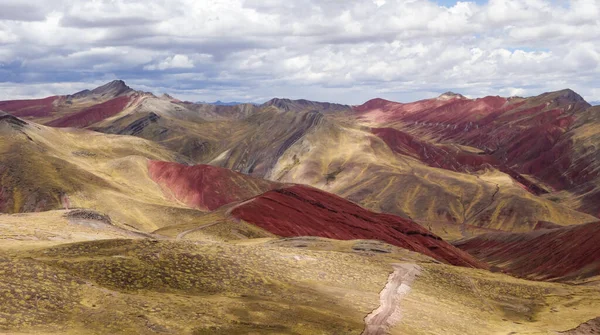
(242, 138)
(544, 142)
(43, 168)
(77, 183)
(305, 211)
(55, 227)
(300, 141)
(451, 156)
(77, 110)
(148, 286)
(92, 114)
(455, 300)
(290, 211)
(200, 132)
(357, 165)
(206, 187)
(573, 163)
(269, 134)
(303, 105)
(124, 286)
(564, 254)
(29, 108)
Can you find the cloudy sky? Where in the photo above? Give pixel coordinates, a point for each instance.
(331, 50)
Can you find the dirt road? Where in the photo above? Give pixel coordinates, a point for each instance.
(388, 312)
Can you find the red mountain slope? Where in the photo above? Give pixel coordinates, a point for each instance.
(442, 156)
(206, 187)
(550, 137)
(565, 253)
(81, 109)
(448, 157)
(25, 108)
(451, 108)
(515, 130)
(305, 211)
(92, 114)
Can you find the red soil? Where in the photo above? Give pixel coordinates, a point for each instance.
(441, 156)
(305, 211)
(519, 136)
(591, 204)
(92, 114)
(4, 198)
(564, 253)
(546, 225)
(454, 110)
(372, 104)
(27, 108)
(206, 187)
(447, 157)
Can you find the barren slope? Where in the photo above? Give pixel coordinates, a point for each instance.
(43, 168)
(206, 187)
(494, 184)
(565, 254)
(306, 211)
(357, 165)
(77, 110)
(546, 142)
(288, 211)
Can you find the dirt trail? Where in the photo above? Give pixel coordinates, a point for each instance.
(398, 285)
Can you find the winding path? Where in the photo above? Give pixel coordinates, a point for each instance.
(388, 312)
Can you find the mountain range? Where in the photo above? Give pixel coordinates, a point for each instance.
(221, 103)
(446, 215)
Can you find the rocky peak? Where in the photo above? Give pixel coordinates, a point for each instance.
(451, 95)
(570, 95)
(114, 88)
(12, 121)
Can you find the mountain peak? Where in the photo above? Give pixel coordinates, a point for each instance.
(167, 96)
(375, 103)
(300, 105)
(566, 96)
(115, 87)
(13, 121)
(378, 101)
(451, 95)
(570, 94)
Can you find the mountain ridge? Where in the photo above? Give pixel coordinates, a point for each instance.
(159, 215)
(298, 141)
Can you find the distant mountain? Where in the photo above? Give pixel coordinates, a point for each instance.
(306, 105)
(111, 89)
(80, 109)
(595, 103)
(222, 103)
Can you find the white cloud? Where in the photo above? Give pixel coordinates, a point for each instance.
(347, 51)
(172, 62)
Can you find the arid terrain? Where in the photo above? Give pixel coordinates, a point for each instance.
(123, 212)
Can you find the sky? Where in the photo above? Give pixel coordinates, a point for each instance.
(327, 50)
